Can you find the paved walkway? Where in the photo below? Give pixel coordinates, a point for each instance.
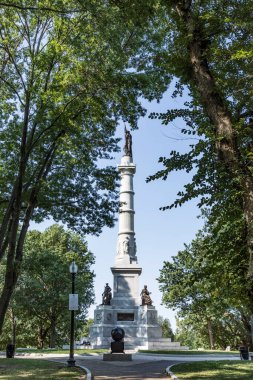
(133, 370)
(142, 367)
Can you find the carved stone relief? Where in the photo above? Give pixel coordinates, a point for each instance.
(99, 317)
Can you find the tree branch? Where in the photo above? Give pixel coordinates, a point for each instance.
(49, 9)
(33, 196)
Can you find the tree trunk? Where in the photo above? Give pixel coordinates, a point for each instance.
(219, 115)
(14, 327)
(247, 340)
(42, 334)
(9, 285)
(16, 239)
(40, 340)
(52, 340)
(248, 212)
(210, 333)
(226, 142)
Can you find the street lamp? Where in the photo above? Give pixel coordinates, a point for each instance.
(73, 305)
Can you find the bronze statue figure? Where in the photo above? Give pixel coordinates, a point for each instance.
(145, 297)
(128, 143)
(107, 295)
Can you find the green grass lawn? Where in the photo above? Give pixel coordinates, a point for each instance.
(189, 352)
(17, 369)
(223, 370)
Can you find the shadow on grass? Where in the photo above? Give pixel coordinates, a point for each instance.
(60, 351)
(225, 370)
(15, 369)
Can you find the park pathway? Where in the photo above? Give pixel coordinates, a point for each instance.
(133, 370)
(142, 367)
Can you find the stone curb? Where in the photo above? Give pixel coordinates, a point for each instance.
(88, 372)
(170, 373)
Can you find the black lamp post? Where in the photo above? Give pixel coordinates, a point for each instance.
(73, 270)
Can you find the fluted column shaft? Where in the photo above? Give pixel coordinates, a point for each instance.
(126, 245)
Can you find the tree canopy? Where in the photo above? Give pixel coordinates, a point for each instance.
(207, 49)
(71, 70)
(66, 81)
(40, 301)
(206, 284)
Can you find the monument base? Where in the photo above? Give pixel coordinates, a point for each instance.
(117, 357)
(139, 323)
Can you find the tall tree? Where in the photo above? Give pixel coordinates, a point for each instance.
(40, 299)
(40, 290)
(204, 51)
(206, 46)
(65, 83)
(206, 283)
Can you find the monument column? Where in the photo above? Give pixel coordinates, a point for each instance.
(126, 244)
(126, 271)
(126, 308)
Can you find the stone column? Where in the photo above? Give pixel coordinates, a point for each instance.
(126, 244)
(126, 270)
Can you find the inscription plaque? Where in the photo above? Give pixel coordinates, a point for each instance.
(125, 317)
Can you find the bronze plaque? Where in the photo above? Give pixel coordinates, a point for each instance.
(125, 317)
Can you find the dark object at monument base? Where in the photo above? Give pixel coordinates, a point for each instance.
(117, 357)
(244, 353)
(117, 334)
(117, 347)
(10, 350)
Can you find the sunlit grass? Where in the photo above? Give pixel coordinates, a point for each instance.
(223, 370)
(17, 369)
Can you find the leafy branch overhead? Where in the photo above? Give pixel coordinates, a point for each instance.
(207, 48)
(40, 301)
(66, 81)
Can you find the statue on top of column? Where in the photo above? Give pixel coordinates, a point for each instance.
(128, 143)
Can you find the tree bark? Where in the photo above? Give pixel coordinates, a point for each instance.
(219, 115)
(210, 333)
(52, 341)
(16, 241)
(42, 334)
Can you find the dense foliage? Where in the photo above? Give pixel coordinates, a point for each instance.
(66, 81)
(206, 283)
(165, 325)
(207, 48)
(71, 70)
(39, 307)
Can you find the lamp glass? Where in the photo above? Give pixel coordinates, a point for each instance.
(73, 267)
